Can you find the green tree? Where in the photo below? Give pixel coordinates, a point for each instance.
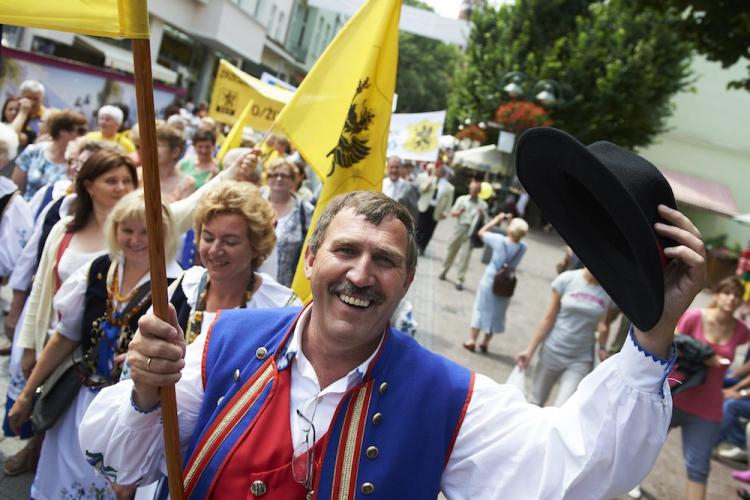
(425, 71)
(719, 29)
(617, 67)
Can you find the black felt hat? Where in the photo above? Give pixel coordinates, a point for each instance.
(602, 199)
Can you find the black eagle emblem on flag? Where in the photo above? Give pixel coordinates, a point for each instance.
(352, 146)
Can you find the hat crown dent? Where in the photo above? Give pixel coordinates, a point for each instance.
(602, 200)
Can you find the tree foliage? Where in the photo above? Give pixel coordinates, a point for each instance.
(425, 71)
(617, 67)
(719, 29)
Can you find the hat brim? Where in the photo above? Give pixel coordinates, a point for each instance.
(598, 218)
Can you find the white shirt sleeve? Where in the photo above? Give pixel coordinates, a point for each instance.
(15, 229)
(599, 444)
(115, 434)
(69, 302)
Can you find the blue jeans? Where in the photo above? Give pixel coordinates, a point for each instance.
(732, 429)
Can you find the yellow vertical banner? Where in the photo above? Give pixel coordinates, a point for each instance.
(234, 138)
(340, 115)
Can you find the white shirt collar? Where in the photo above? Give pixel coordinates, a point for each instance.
(295, 354)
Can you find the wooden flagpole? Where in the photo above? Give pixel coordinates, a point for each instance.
(144, 91)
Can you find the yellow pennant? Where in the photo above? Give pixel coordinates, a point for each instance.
(108, 18)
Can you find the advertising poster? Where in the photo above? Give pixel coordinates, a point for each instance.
(71, 85)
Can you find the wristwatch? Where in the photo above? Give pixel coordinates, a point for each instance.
(743, 393)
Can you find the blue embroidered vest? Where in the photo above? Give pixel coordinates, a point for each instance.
(390, 437)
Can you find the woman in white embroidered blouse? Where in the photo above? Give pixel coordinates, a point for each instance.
(63, 469)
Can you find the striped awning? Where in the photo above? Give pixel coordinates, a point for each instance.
(702, 193)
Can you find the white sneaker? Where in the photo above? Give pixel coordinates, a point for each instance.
(635, 492)
(733, 453)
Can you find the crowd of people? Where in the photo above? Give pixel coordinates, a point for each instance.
(74, 251)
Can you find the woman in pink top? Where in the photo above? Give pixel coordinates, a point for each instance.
(698, 410)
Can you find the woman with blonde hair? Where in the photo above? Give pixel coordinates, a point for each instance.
(235, 234)
(99, 307)
(489, 309)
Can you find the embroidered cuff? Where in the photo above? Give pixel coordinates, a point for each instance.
(668, 362)
(141, 410)
(643, 370)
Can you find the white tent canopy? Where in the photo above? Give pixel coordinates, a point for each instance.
(483, 158)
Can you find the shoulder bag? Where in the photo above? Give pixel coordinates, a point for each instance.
(504, 282)
(58, 391)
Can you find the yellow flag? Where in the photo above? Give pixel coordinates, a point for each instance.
(110, 18)
(233, 88)
(339, 117)
(234, 138)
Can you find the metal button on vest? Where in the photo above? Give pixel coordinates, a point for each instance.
(261, 353)
(218, 401)
(371, 452)
(383, 387)
(377, 418)
(236, 375)
(367, 488)
(258, 488)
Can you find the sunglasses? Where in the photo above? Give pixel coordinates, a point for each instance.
(279, 175)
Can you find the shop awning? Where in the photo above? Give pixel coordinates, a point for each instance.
(483, 158)
(702, 193)
(121, 59)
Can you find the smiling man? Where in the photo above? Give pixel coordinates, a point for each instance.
(329, 401)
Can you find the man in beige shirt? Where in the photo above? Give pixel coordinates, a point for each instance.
(467, 209)
(435, 199)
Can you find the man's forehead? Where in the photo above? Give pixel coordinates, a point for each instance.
(342, 224)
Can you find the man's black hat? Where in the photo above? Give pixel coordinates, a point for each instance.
(602, 199)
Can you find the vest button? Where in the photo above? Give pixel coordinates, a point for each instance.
(367, 488)
(258, 488)
(261, 353)
(236, 375)
(218, 401)
(377, 418)
(383, 387)
(372, 452)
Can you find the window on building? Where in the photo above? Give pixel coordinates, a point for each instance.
(280, 27)
(258, 7)
(271, 20)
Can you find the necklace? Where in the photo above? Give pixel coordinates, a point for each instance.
(196, 315)
(113, 291)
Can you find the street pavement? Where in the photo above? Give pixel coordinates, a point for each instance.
(443, 315)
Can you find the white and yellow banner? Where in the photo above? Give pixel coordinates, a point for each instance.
(416, 136)
(233, 89)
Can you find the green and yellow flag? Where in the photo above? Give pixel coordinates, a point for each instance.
(339, 117)
(109, 18)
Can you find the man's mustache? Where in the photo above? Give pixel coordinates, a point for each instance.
(346, 287)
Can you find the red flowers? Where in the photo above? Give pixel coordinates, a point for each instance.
(517, 116)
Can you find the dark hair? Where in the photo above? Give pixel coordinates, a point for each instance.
(202, 135)
(95, 166)
(375, 207)
(9, 100)
(64, 120)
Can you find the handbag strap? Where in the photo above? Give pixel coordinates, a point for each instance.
(510, 261)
